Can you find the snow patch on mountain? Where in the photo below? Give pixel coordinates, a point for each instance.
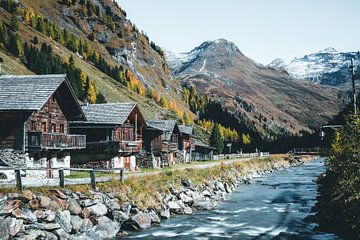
(327, 67)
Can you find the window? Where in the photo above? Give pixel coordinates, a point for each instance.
(53, 128)
(33, 126)
(43, 127)
(62, 128)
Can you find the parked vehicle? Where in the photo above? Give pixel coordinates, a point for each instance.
(9, 174)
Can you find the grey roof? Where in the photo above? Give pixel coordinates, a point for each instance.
(186, 129)
(163, 125)
(27, 92)
(108, 113)
(166, 126)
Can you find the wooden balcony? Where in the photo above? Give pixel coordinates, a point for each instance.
(48, 141)
(122, 146)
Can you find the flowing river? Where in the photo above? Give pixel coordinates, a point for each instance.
(274, 206)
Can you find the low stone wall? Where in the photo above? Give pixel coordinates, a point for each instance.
(64, 214)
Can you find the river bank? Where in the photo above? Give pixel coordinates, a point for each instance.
(138, 203)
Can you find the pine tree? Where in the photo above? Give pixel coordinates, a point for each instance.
(216, 140)
(14, 22)
(16, 46)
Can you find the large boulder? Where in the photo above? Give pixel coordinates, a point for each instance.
(185, 198)
(44, 201)
(165, 213)
(74, 207)
(50, 215)
(64, 219)
(76, 223)
(86, 225)
(98, 209)
(25, 214)
(6, 208)
(138, 222)
(119, 216)
(155, 219)
(204, 205)
(10, 227)
(61, 234)
(107, 228)
(174, 206)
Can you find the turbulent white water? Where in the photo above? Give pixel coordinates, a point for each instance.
(273, 207)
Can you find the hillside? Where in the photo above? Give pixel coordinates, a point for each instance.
(268, 98)
(326, 67)
(121, 62)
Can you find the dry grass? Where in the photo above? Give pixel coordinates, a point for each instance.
(148, 191)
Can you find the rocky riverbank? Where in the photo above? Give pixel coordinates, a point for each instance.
(71, 214)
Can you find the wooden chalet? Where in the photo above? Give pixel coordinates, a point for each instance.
(186, 145)
(114, 134)
(161, 138)
(35, 111)
(202, 152)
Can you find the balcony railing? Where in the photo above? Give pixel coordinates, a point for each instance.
(39, 140)
(123, 146)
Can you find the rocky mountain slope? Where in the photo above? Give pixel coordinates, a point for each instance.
(126, 63)
(327, 67)
(271, 99)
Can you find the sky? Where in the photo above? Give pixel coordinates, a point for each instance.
(262, 29)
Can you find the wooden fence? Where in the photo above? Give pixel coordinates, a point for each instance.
(243, 155)
(61, 181)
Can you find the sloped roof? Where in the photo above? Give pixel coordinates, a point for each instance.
(31, 92)
(108, 113)
(162, 125)
(186, 129)
(27, 92)
(166, 126)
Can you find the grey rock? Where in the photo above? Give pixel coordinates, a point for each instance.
(155, 219)
(50, 215)
(34, 234)
(87, 202)
(106, 228)
(138, 222)
(86, 225)
(126, 207)
(174, 206)
(165, 213)
(98, 210)
(86, 236)
(24, 214)
(185, 198)
(61, 234)
(64, 219)
(114, 205)
(46, 226)
(119, 216)
(206, 193)
(76, 223)
(4, 226)
(74, 207)
(40, 215)
(204, 205)
(186, 183)
(219, 186)
(227, 188)
(188, 210)
(44, 201)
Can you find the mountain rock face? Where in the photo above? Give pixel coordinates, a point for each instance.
(269, 97)
(327, 67)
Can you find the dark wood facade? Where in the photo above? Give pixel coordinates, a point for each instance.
(121, 138)
(162, 141)
(46, 128)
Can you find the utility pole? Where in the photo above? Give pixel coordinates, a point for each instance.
(352, 70)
